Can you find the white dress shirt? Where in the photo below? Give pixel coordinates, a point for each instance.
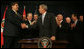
(43, 16)
(15, 11)
(30, 22)
(76, 21)
(60, 24)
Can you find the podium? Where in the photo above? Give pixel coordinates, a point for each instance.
(33, 43)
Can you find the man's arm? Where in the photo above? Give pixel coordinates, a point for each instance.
(13, 19)
(53, 25)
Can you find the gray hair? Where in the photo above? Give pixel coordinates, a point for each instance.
(44, 7)
(28, 13)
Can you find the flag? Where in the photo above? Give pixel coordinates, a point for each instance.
(24, 13)
(2, 27)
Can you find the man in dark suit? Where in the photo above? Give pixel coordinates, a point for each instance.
(75, 30)
(81, 23)
(46, 23)
(28, 32)
(12, 27)
(68, 31)
(80, 31)
(36, 29)
(61, 28)
(68, 28)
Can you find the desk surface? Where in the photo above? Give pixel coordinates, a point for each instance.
(35, 40)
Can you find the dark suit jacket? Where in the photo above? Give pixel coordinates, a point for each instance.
(61, 32)
(76, 28)
(48, 28)
(80, 34)
(76, 32)
(81, 27)
(12, 23)
(68, 32)
(77, 35)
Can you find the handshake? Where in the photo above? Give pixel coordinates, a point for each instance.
(23, 26)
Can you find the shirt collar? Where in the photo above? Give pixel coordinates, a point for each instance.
(61, 21)
(15, 11)
(44, 14)
(76, 21)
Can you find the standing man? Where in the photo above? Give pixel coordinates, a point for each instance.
(12, 25)
(76, 31)
(80, 31)
(28, 32)
(46, 23)
(61, 28)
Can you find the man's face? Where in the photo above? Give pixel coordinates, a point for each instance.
(59, 17)
(15, 7)
(35, 17)
(68, 20)
(40, 9)
(29, 17)
(81, 18)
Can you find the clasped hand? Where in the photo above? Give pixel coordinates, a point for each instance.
(23, 26)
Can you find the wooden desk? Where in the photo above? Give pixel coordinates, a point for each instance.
(32, 43)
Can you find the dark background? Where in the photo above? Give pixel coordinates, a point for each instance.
(64, 7)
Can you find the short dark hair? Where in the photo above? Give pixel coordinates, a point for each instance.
(13, 3)
(28, 13)
(75, 15)
(35, 14)
(59, 14)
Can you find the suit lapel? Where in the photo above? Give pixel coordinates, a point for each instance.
(40, 19)
(45, 18)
